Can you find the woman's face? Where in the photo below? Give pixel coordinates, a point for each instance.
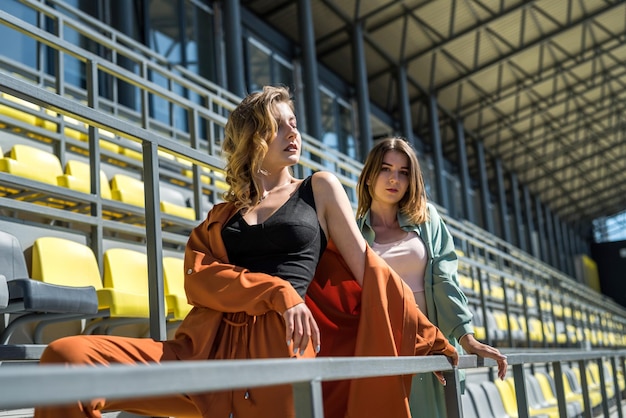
(392, 181)
(285, 147)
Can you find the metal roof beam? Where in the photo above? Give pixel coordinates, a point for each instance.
(525, 47)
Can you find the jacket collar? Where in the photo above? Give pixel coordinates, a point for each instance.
(365, 225)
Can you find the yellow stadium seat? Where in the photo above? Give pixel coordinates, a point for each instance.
(128, 190)
(126, 282)
(131, 190)
(14, 112)
(174, 286)
(545, 382)
(122, 297)
(509, 385)
(32, 163)
(77, 177)
(38, 165)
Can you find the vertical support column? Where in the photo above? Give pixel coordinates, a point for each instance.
(550, 245)
(466, 184)
(154, 242)
(520, 391)
(517, 212)
(558, 240)
(234, 48)
(504, 212)
(541, 231)
(485, 196)
(618, 393)
(123, 18)
(97, 230)
(313, 107)
(530, 225)
(452, 394)
(440, 176)
(308, 401)
(558, 383)
(362, 89)
(404, 106)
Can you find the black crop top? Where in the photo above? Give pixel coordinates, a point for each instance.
(288, 244)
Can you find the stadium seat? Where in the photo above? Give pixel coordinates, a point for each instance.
(125, 291)
(506, 388)
(574, 408)
(33, 300)
(496, 401)
(175, 297)
(538, 399)
(478, 324)
(77, 177)
(128, 190)
(32, 163)
(481, 403)
(14, 110)
(131, 190)
(173, 203)
(469, 410)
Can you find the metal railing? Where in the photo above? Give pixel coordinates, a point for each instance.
(35, 385)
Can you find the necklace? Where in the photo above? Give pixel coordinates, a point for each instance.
(267, 193)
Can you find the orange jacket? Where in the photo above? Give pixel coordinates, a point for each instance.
(250, 306)
(380, 319)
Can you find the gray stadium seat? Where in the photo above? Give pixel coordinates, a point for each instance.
(32, 300)
(469, 410)
(481, 403)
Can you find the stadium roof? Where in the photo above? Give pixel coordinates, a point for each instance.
(541, 83)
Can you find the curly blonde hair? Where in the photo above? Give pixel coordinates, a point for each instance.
(413, 204)
(249, 129)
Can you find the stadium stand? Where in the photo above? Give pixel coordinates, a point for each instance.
(526, 303)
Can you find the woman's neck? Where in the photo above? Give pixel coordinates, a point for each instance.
(385, 216)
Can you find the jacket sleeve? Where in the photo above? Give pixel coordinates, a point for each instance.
(211, 282)
(453, 315)
(429, 339)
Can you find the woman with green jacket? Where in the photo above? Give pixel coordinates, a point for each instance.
(407, 232)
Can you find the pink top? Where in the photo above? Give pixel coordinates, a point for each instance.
(408, 258)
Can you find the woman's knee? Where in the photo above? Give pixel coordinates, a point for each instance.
(66, 350)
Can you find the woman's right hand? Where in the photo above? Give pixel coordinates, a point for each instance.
(301, 328)
(454, 360)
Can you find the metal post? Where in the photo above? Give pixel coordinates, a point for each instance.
(362, 89)
(234, 47)
(440, 176)
(520, 391)
(307, 398)
(485, 195)
(452, 394)
(466, 184)
(311, 94)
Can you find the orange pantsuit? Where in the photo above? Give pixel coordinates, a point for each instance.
(236, 315)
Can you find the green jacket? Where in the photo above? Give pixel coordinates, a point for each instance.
(446, 304)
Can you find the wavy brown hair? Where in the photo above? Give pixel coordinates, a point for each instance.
(413, 203)
(249, 129)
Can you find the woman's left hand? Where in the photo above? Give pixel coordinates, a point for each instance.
(473, 346)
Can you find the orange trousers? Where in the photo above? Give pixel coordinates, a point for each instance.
(262, 402)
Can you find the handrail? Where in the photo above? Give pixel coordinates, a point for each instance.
(36, 385)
